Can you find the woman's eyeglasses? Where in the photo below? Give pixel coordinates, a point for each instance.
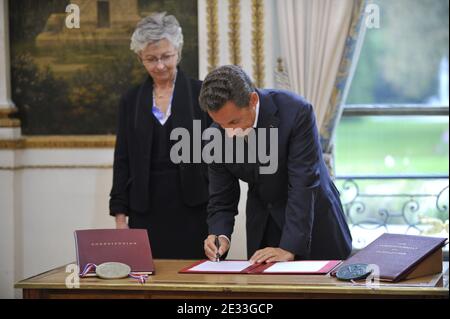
(154, 61)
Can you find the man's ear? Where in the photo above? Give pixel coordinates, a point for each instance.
(254, 98)
(210, 113)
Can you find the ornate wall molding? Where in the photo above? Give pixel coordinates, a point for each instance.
(212, 26)
(6, 122)
(7, 117)
(258, 42)
(5, 72)
(239, 32)
(7, 112)
(234, 33)
(59, 142)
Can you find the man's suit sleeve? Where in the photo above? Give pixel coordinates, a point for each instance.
(118, 202)
(304, 180)
(224, 192)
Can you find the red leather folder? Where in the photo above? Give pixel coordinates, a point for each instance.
(128, 246)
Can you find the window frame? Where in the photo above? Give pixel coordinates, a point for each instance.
(395, 110)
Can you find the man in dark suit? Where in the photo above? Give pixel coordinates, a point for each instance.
(292, 213)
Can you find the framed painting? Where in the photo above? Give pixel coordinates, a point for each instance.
(67, 80)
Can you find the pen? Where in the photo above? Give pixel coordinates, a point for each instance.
(217, 246)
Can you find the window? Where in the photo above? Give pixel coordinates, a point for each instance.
(392, 144)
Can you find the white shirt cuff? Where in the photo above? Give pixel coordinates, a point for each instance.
(228, 239)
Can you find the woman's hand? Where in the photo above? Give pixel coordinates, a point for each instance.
(121, 221)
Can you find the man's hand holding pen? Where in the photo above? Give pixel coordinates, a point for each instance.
(215, 247)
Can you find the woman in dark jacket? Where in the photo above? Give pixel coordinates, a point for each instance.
(167, 199)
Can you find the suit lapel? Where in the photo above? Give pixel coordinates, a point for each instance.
(267, 119)
(182, 108)
(267, 111)
(143, 118)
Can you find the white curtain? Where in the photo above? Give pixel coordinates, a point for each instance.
(313, 35)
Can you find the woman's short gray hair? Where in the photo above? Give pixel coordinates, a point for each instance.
(154, 28)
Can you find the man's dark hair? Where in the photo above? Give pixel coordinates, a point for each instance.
(224, 84)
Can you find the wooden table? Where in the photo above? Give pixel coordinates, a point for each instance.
(168, 283)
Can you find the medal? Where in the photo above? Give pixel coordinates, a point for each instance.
(112, 270)
(353, 272)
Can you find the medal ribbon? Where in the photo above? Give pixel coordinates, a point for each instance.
(91, 267)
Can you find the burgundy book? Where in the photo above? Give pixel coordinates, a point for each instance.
(401, 256)
(128, 246)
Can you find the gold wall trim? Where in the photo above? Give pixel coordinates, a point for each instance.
(213, 33)
(7, 117)
(11, 144)
(7, 112)
(7, 122)
(23, 167)
(234, 31)
(258, 42)
(60, 141)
